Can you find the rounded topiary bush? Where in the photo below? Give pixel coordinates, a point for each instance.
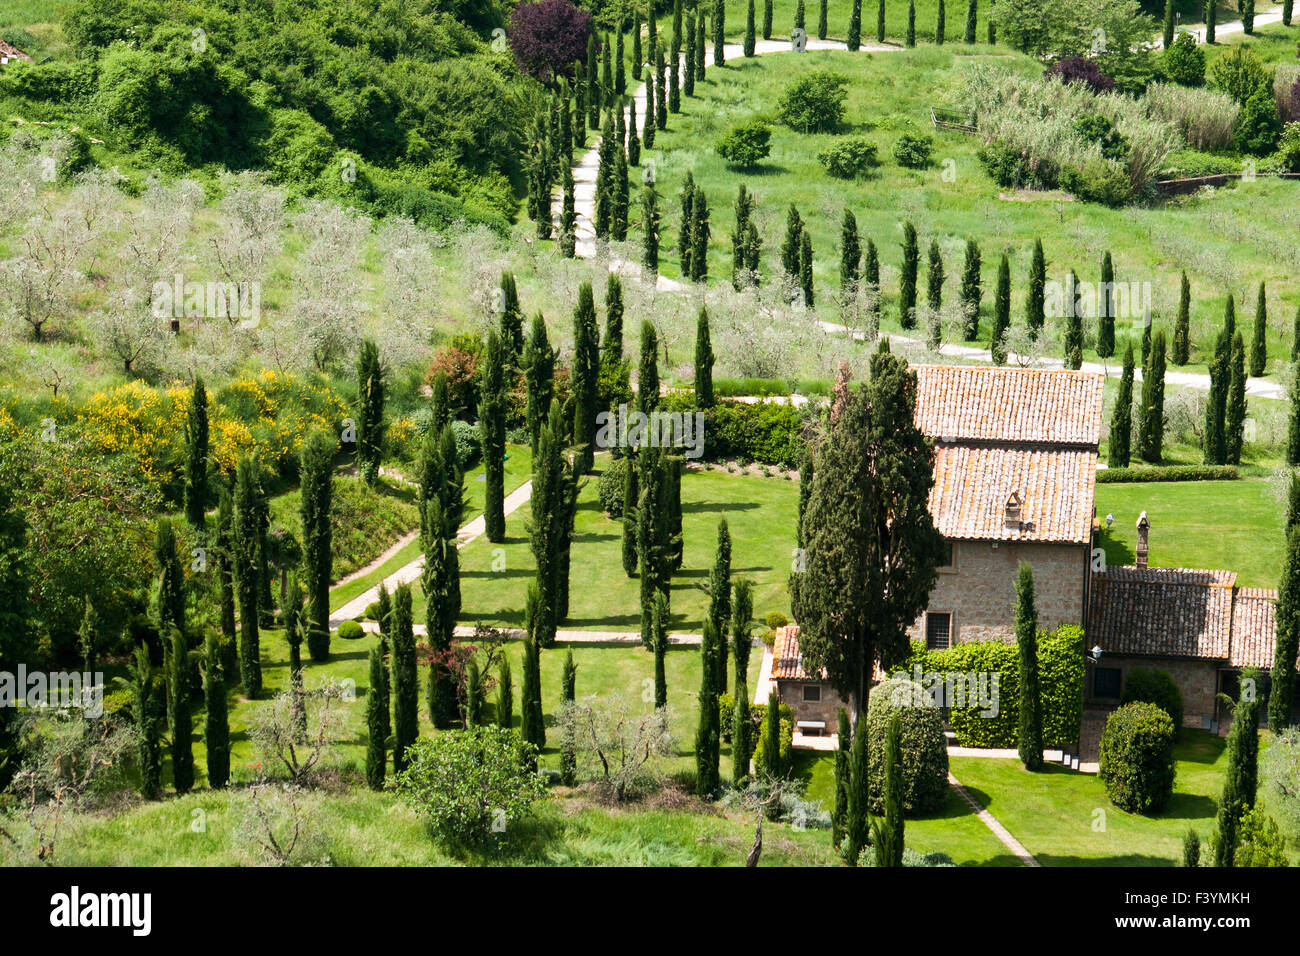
(350, 630)
(609, 489)
(1137, 758)
(925, 750)
(1153, 686)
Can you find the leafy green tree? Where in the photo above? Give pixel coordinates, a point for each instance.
(1001, 313)
(907, 279)
(317, 480)
(1259, 343)
(1181, 351)
(376, 712)
(1034, 300)
(1243, 769)
(406, 694)
(1152, 424)
(178, 686)
(1121, 422)
(196, 456)
(216, 726)
(244, 534)
(1282, 696)
(370, 418)
(148, 710)
(889, 833)
(1030, 733)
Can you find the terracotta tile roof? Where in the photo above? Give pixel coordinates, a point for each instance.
(787, 659)
(973, 484)
(1162, 612)
(988, 403)
(1254, 628)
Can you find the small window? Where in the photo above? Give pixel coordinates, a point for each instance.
(812, 692)
(938, 631)
(1105, 682)
(945, 560)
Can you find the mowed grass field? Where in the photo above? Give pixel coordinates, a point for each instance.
(1225, 239)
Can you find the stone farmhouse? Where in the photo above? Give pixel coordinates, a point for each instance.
(1015, 480)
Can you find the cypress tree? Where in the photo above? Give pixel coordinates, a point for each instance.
(934, 278)
(532, 727)
(688, 75)
(772, 736)
(719, 30)
(1248, 16)
(1234, 426)
(720, 597)
(370, 417)
(636, 39)
(569, 678)
(439, 403)
(1259, 344)
(586, 378)
(971, 16)
(512, 320)
(244, 541)
(742, 727)
(1216, 407)
(821, 20)
(170, 591)
(568, 217)
(880, 22)
(652, 536)
(630, 492)
(840, 813)
(633, 139)
(799, 15)
(1181, 352)
(911, 23)
(650, 225)
(661, 91)
(750, 42)
(659, 644)
(539, 378)
(1293, 430)
(699, 236)
(216, 727)
(699, 48)
(1211, 19)
(790, 245)
(406, 701)
(647, 396)
(993, 32)
(545, 530)
(767, 19)
(226, 571)
(858, 824)
(317, 482)
(853, 40)
(1030, 733)
(871, 279)
(473, 695)
(1001, 313)
(293, 635)
(611, 343)
(1034, 299)
(1168, 37)
(620, 78)
(672, 466)
(971, 291)
(569, 745)
(619, 190)
(505, 695)
(1282, 696)
(441, 607)
(652, 34)
(806, 268)
(1073, 325)
(685, 233)
(889, 833)
(178, 686)
(939, 26)
(674, 60)
(1191, 849)
(376, 711)
(744, 210)
(492, 428)
(595, 97)
(196, 456)
(704, 359)
(850, 254)
(605, 179)
(907, 279)
(148, 709)
(1288, 7)
(1121, 422)
(1106, 310)
(1243, 770)
(1152, 426)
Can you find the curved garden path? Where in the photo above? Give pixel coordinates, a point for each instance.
(584, 204)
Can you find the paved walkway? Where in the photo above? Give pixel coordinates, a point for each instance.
(990, 821)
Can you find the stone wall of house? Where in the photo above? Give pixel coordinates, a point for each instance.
(979, 591)
(826, 710)
(1198, 680)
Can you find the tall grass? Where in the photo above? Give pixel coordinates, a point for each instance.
(1204, 118)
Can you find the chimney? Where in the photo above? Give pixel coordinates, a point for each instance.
(1013, 512)
(1143, 526)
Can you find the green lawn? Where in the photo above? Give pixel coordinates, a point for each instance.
(1233, 525)
(760, 514)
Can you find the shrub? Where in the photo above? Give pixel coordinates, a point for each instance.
(814, 103)
(372, 611)
(1099, 181)
(746, 144)
(1137, 758)
(1185, 61)
(469, 444)
(925, 749)
(1169, 473)
(1259, 842)
(1258, 128)
(609, 489)
(547, 37)
(776, 619)
(1240, 74)
(350, 630)
(461, 368)
(849, 159)
(763, 432)
(1288, 148)
(468, 781)
(1098, 128)
(1078, 69)
(913, 151)
(1149, 685)
(786, 748)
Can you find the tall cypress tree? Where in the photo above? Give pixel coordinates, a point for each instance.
(1293, 426)
(1282, 695)
(699, 47)
(652, 535)
(911, 23)
(1243, 770)
(889, 832)
(568, 216)
(1073, 338)
(767, 19)
(149, 711)
(871, 280)
(972, 13)
(650, 225)
(799, 15)
(376, 709)
(790, 244)
(216, 727)
(586, 378)
(370, 417)
(441, 607)
(741, 276)
(512, 317)
(539, 378)
(1152, 425)
(1121, 422)
(750, 42)
(1216, 406)
(1106, 309)
(595, 98)
(720, 597)
(939, 25)
(1168, 37)
(637, 59)
(1030, 733)
(806, 268)
(492, 429)
(688, 64)
(1181, 351)
(647, 395)
(704, 359)
(611, 343)
(850, 254)
(1259, 342)
(699, 236)
(1248, 16)
(880, 22)
(406, 695)
(858, 823)
(719, 30)
(604, 179)
(1034, 298)
(907, 279)
(630, 492)
(661, 91)
(546, 528)
(742, 729)
(659, 613)
(675, 60)
(934, 278)
(822, 25)
(226, 574)
(244, 542)
(853, 40)
(1211, 19)
(1234, 423)
(505, 695)
(620, 77)
(473, 695)
(1001, 313)
(707, 733)
(532, 727)
(169, 596)
(317, 480)
(294, 628)
(840, 811)
(178, 686)
(971, 291)
(633, 138)
(196, 456)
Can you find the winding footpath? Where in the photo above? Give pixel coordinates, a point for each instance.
(585, 246)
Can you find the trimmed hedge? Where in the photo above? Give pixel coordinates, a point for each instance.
(1169, 473)
(925, 749)
(1137, 758)
(1061, 675)
(350, 630)
(1153, 686)
(767, 433)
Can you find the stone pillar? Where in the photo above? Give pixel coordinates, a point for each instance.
(1144, 527)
